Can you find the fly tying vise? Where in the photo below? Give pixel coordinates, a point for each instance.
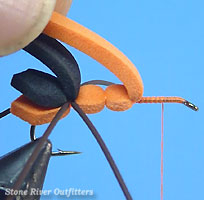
(13, 163)
(44, 94)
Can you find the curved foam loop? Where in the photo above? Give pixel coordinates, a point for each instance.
(58, 59)
(41, 88)
(90, 43)
(23, 108)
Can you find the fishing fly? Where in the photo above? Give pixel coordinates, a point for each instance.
(46, 98)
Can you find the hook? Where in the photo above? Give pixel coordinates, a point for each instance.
(59, 152)
(191, 105)
(4, 113)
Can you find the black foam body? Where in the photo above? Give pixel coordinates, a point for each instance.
(41, 88)
(60, 61)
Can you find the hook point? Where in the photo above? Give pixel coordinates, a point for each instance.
(64, 153)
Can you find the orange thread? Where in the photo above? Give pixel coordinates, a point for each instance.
(162, 151)
(161, 100)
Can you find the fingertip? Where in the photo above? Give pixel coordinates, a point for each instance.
(22, 22)
(63, 6)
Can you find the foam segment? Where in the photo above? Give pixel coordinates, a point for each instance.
(41, 88)
(23, 108)
(60, 61)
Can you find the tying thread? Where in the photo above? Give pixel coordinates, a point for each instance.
(162, 150)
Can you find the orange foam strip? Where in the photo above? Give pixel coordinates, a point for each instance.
(98, 48)
(91, 99)
(33, 114)
(117, 98)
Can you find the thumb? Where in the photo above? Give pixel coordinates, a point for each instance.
(21, 22)
(62, 6)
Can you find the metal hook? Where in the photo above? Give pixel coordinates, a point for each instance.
(4, 113)
(57, 153)
(191, 105)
